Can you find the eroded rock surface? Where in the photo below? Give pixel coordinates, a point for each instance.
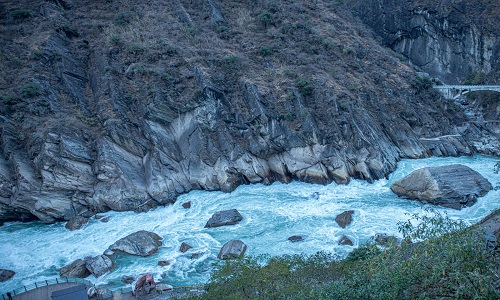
(453, 186)
(232, 249)
(76, 222)
(345, 218)
(99, 265)
(140, 243)
(76, 269)
(223, 218)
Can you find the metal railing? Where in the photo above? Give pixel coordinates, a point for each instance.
(39, 284)
(105, 295)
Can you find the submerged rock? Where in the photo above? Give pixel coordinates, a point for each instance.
(163, 263)
(99, 265)
(76, 222)
(452, 186)
(295, 238)
(232, 249)
(76, 269)
(140, 243)
(186, 205)
(344, 218)
(225, 217)
(6, 274)
(127, 279)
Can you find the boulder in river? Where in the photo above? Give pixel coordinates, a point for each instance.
(6, 274)
(185, 247)
(76, 222)
(295, 238)
(99, 265)
(76, 269)
(344, 240)
(140, 243)
(452, 186)
(344, 218)
(186, 204)
(232, 249)
(127, 279)
(224, 217)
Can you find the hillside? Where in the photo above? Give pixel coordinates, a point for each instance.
(124, 106)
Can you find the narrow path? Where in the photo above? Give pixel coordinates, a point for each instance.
(44, 292)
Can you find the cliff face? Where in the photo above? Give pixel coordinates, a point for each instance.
(449, 39)
(124, 106)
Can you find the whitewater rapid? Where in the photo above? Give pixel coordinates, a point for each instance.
(271, 214)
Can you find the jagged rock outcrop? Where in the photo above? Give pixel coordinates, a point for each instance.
(97, 117)
(76, 269)
(99, 265)
(453, 186)
(232, 249)
(449, 39)
(76, 222)
(140, 243)
(223, 218)
(344, 240)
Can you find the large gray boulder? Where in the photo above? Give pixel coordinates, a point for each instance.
(6, 274)
(452, 186)
(232, 249)
(76, 269)
(225, 217)
(98, 265)
(140, 243)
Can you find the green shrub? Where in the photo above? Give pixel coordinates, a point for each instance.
(475, 78)
(20, 14)
(230, 62)
(10, 100)
(306, 88)
(30, 90)
(122, 18)
(422, 83)
(265, 18)
(264, 51)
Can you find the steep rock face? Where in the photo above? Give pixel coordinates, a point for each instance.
(106, 111)
(448, 39)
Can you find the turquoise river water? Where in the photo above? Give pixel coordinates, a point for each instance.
(271, 214)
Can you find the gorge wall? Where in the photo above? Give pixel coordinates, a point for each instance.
(449, 39)
(125, 106)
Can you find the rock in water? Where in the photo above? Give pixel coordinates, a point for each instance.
(344, 240)
(452, 186)
(344, 218)
(99, 265)
(76, 222)
(141, 243)
(76, 269)
(6, 275)
(232, 249)
(225, 217)
(185, 247)
(295, 238)
(186, 204)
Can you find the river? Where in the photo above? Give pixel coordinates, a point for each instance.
(271, 214)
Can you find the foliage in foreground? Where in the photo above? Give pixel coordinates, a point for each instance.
(438, 258)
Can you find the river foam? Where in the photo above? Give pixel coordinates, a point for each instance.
(36, 251)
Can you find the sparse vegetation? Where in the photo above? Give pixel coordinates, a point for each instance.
(306, 88)
(122, 18)
(20, 14)
(30, 90)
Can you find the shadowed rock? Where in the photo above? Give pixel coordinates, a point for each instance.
(384, 239)
(344, 218)
(127, 279)
(6, 275)
(140, 243)
(185, 247)
(232, 249)
(295, 238)
(76, 222)
(99, 265)
(163, 263)
(344, 240)
(186, 204)
(452, 186)
(76, 269)
(225, 217)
